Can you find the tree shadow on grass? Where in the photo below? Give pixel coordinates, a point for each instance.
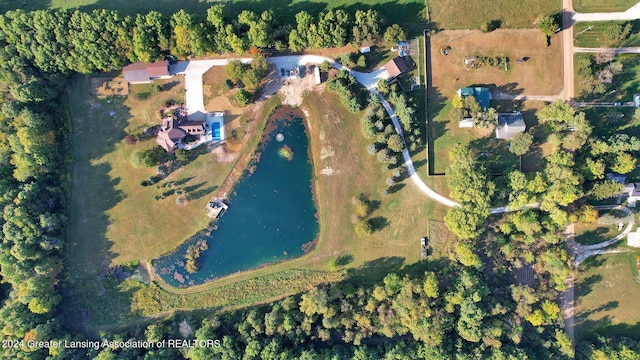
(592, 236)
(374, 270)
(378, 223)
(201, 192)
(586, 286)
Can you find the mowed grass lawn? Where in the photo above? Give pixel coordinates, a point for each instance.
(512, 14)
(113, 218)
(602, 5)
(607, 296)
(587, 234)
(394, 11)
(592, 34)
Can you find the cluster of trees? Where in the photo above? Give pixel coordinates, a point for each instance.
(247, 76)
(457, 314)
(405, 109)
(363, 207)
(34, 168)
(351, 93)
(66, 41)
(465, 107)
(471, 186)
(193, 254)
(596, 72)
(387, 145)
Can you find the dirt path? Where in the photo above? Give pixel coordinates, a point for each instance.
(568, 91)
(567, 298)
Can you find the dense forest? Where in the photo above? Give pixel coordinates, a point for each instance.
(469, 307)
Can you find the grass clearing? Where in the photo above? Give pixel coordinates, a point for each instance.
(607, 295)
(593, 34)
(507, 13)
(588, 6)
(394, 11)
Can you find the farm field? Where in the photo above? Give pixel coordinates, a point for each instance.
(607, 296)
(594, 34)
(394, 11)
(602, 5)
(503, 13)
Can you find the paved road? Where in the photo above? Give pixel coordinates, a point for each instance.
(568, 91)
(631, 14)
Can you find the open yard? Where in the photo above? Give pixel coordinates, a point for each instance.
(595, 34)
(113, 217)
(539, 74)
(602, 5)
(605, 228)
(448, 14)
(394, 11)
(607, 296)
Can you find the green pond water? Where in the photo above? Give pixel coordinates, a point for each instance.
(271, 215)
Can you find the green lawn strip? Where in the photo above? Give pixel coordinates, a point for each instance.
(394, 11)
(593, 34)
(588, 6)
(471, 14)
(588, 234)
(607, 295)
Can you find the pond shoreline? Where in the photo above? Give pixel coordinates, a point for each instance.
(281, 116)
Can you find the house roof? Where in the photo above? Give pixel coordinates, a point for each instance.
(482, 95)
(170, 134)
(396, 67)
(143, 72)
(158, 69)
(509, 124)
(135, 72)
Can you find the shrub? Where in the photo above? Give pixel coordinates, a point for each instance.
(383, 155)
(244, 97)
(390, 181)
(395, 143)
(228, 84)
(364, 228)
(137, 159)
(369, 132)
(372, 149)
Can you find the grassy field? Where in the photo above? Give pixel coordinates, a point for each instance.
(594, 36)
(602, 5)
(394, 11)
(507, 13)
(607, 296)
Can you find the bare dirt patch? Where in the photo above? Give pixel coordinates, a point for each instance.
(540, 72)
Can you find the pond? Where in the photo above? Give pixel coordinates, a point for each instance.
(271, 214)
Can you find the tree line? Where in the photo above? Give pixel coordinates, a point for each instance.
(74, 41)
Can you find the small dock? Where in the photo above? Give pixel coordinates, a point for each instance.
(216, 208)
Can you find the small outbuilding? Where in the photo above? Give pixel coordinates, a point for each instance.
(510, 124)
(633, 238)
(144, 73)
